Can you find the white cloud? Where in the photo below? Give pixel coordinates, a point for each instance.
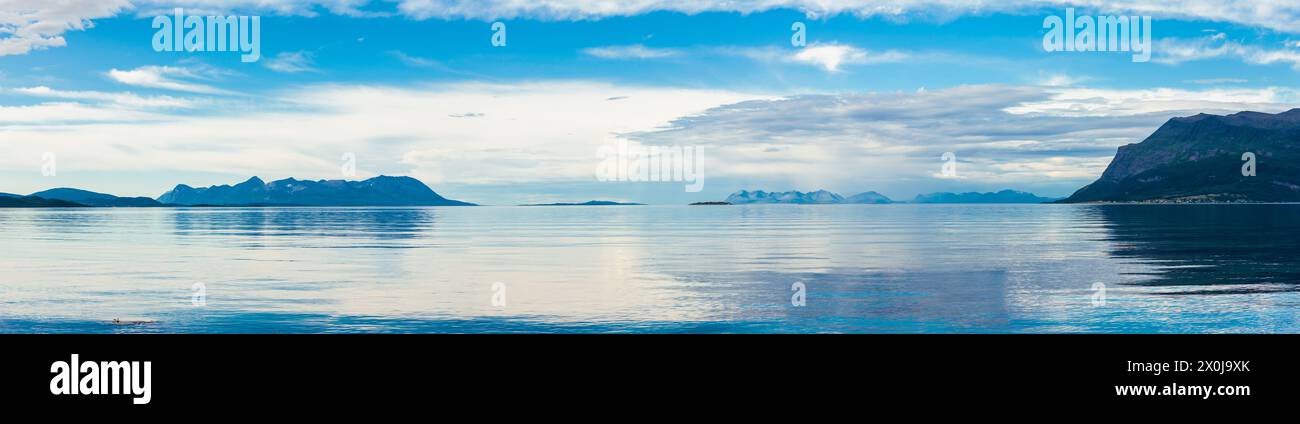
(1217, 81)
(126, 99)
(415, 62)
(831, 56)
(1174, 51)
(1059, 80)
(516, 133)
(1279, 15)
(1025, 137)
(51, 118)
(634, 51)
(1004, 136)
(164, 77)
(1091, 102)
(307, 8)
(27, 25)
(292, 62)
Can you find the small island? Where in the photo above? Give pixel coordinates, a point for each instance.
(711, 204)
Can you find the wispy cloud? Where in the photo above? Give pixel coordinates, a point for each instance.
(126, 99)
(56, 115)
(1279, 15)
(634, 51)
(27, 25)
(831, 57)
(1208, 81)
(431, 64)
(461, 133)
(1005, 135)
(1173, 51)
(1098, 102)
(426, 63)
(1059, 80)
(164, 77)
(292, 62)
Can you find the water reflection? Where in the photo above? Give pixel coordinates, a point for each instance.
(379, 224)
(893, 268)
(1209, 249)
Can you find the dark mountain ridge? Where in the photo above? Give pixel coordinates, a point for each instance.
(90, 198)
(377, 191)
(1200, 159)
(819, 197)
(16, 201)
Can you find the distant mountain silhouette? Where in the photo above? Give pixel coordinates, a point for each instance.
(870, 198)
(91, 198)
(744, 197)
(590, 203)
(1199, 159)
(378, 191)
(16, 201)
(1004, 196)
(819, 197)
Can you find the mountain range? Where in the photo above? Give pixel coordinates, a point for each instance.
(18, 201)
(819, 197)
(377, 191)
(1203, 158)
(90, 198)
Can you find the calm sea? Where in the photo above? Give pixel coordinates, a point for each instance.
(730, 269)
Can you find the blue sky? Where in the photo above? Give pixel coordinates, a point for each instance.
(878, 93)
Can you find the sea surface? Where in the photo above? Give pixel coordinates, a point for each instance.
(654, 269)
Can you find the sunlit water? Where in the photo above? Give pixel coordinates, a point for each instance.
(866, 268)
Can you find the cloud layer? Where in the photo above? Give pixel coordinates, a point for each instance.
(1003, 136)
(634, 51)
(483, 134)
(1278, 15)
(27, 25)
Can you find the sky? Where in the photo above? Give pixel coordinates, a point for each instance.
(871, 100)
